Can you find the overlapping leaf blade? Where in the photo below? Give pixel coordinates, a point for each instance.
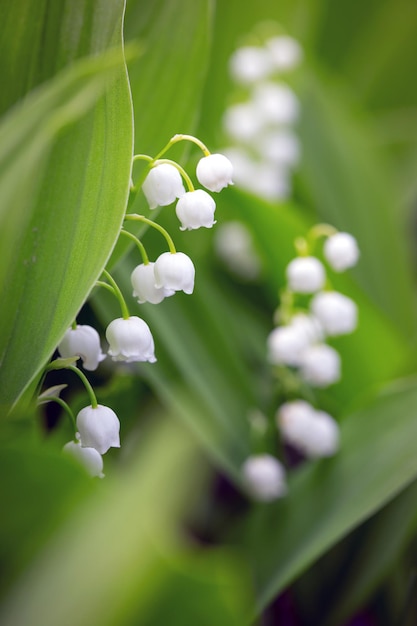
(65, 223)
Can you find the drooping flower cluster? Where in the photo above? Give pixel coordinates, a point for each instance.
(129, 337)
(262, 143)
(299, 344)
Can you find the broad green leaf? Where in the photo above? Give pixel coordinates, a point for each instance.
(117, 555)
(65, 224)
(330, 497)
(383, 539)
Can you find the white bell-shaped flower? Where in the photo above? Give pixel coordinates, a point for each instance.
(314, 433)
(214, 172)
(195, 210)
(286, 345)
(163, 185)
(322, 437)
(341, 251)
(89, 458)
(337, 313)
(143, 283)
(130, 340)
(276, 103)
(285, 52)
(242, 122)
(305, 274)
(320, 365)
(293, 419)
(281, 147)
(233, 244)
(249, 64)
(175, 271)
(99, 428)
(308, 326)
(83, 341)
(265, 477)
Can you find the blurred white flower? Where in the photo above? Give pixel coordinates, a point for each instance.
(281, 147)
(323, 436)
(195, 210)
(99, 428)
(314, 433)
(143, 283)
(305, 274)
(309, 326)
(320, 365)
(242, 122)
(214, 172)
(233, 244)
(175, 271)
(337, 313)
(130, 340)
(286, 345)
(265, 477)
(83, 341)
(249, 64)
(163, 185)
(285, 52)
(89, 458)
(276, 103)
(341, 251)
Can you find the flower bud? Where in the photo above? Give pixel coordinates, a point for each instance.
(89, 458)
(99, 428)
(265, 477)
(174, 271)
(305, 274)
(320, 365)
(83, 341)
(196, 209)
(143, 283)
(130, 340)
(337, 313)
(214, 172)
(341, 251)
(163, 185)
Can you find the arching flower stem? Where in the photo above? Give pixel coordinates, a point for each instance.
(138, 243)
(177, 138)
(145, 220)
(117, 293)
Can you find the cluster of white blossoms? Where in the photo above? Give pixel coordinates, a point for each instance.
(299, 344)
(129, 337)
(262, 143)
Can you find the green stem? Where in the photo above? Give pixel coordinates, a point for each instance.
(74, 325)
(179, 168)
(139, 157)
(302, 247)
(66, 408)
(86, 384)
(177, 138)
(145, 220)
(321, 230)
(139, 244)
(118, 294)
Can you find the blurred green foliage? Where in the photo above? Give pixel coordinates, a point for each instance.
(154, 542)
